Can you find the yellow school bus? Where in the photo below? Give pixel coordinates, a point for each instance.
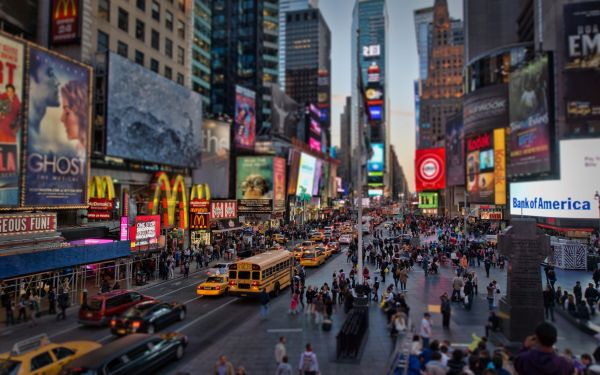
(272, 270)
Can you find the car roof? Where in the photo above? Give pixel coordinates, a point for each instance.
(99, 357)
(112, 293)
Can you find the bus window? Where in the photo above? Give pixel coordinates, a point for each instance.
(256, 275)
(244, 275)
(232, 274)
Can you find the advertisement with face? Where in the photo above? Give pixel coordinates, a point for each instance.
(430, 169)
(279, 184)
(245, 118)
(254, 183)
(12, 61)
(306, 175)
(214, 163)
(530, 119)
(455, 157)
(480, 168)
(58, 131)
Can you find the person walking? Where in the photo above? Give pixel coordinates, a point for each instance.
(280, 350)
(9, 308)
(577, 292)
(446, 309)
(549, 302)
(457, 284)
(487, 264)
(490, 296)
(403, 278)
(224, 367)
(263, 297)
(22, 309)
(309, 365)
(51, 301)
(425, 331)
(63, 302)
(284, 368)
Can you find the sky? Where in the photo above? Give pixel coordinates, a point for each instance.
(402, 69)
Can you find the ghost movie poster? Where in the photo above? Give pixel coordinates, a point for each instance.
(11, 108)
(57, 133)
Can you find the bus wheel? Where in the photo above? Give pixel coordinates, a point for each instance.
(277, 289)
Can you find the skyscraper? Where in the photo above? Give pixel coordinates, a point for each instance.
(201, 50)
(423, 19)
(345, 153)
(284, 7)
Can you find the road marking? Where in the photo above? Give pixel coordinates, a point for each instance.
(105, 338)
(63, 331)
(192, 299)
(205, 315)
(176, 290)
(281, 330)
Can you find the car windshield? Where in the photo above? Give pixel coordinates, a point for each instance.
(308, 255)
(138, 310)
(9, 367)
(95, 304)
(214, 279)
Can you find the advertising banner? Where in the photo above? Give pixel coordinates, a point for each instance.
(199, 214)
(376, 162)
(100, 209)
(279, 184)
(430, 169)
(480, 168)
(145, 231)
(64, 21)
(245, 118)
(27, 224)
(124, 228)
(486, 109)
(214, 163)
(455, 152)
(12, 62)
(58, 131)
(338, 185)
(582, 56)
(500, 166)
(294, 157)
(572, 196)
(225, 209)
(530, 115)
(155, 120)
(254, 188)
(306, 175)
(317, 177)
(428, 200)
(285, 113)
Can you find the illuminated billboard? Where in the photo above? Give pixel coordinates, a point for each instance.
(64, 21)
(245, 118)
(428, 200)
(430, 169)
(455, 152)
(254, 186)
(376, 162)
(214, 163)
(486, 167)
(306, 175)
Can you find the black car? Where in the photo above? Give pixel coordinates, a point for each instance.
(147, 317)
(131, 355)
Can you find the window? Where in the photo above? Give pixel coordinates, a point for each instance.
(140, 30)
(139, 57)
(169, 20)
(122, 49)
(155, 40)
(168, 72)
(180, 56)
(181, 29)
(41, 360)
(114, 365)
(154, 65)
(138, 352)
(232, 274)
(62, 352)
(255, 275)
(181, 4)
(104, 9)
(141, 4)
(169, 47)
(102, 44)
(123, 20)
(156, 10)
(180, 78)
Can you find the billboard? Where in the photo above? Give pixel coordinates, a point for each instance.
(279, 184)
(582, 66)
(317, 177)
(294, 160)
(12, 62)
(64, 21)
(155, 120)
(530, 119)
(285, 112)
(571, 196)
(428, 200)
(500, 166)
(145, 230)
(455, 152)
(199, 214)
(254, 187)
(214, 163)
(486, 109)
(480, 168)
(27, 224)
(376, 162)
(58, 131)
(306, 175)
(223, 209)
(430, 169)
(244, 118)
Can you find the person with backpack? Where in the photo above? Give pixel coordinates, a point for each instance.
(309, 364)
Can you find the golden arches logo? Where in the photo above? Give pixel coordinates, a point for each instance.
(200, 191)
(68, 7)
(101, 187)
(167, 193)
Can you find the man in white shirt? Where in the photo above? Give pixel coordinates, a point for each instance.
(425, 331)
(308, 362)
(280, 350)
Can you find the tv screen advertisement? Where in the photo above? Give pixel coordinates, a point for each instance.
(571, 196)
(294, 158)
(530, 119)
(285, 112)
(279, 184)
(428, 200)
(12, 64)
(376, 162)
(254, 189)
(58, 131)
(155, 120)
(245, 118)
(480, 170)
(317, 180)
(430, 169)
(306, 175)
(376, 112)
(455, 155)
(214, 164)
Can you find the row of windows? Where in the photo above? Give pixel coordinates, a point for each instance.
(123, 23)
(282, 266)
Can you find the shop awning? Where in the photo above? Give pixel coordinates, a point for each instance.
(562, 229)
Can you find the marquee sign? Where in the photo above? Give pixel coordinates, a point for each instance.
(27, 224)
(64, 21)
(199, 214)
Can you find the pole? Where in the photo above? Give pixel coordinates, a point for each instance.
(466, 215)
(360, 224)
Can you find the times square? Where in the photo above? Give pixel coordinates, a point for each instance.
(300, 186)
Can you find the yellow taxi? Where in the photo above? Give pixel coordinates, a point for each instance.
(307, 245)
(312, 258)
(213, 286)
(280, 238)
(317, 236)
(325, 251)
(297, 251)
(37, 356)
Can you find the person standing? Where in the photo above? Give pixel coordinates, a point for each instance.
(280, 350)
(284, 368)
(224, 367)
(403, 278)
(490, 296)
(446, 310)
(591, 296)
(309, 364)
(51, 301)
(487, 264)
(577, 292)
(457, 284)
(264, 303)
(539, 356)
(549, 303)
(425, 331)
(63, 302)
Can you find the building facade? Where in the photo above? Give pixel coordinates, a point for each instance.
(201, 49)
(345, 152)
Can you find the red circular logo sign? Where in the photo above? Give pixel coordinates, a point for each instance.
(430, 169)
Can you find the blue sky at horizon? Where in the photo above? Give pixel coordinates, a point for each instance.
(402, 70)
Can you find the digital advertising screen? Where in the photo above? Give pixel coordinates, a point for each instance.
(279, 184)
(530, 119)
(58, 131)
(428, 200)
(306, 175)
(480, 175)
(12, 63)
(317, 180)
(144, 123)
(245, 118)
(455, 157)
(376, 162)
(430, 169)
(254, 187)
(214, 164)
(64, 19)
(285, 112)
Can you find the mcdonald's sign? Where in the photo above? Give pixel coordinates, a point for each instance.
(101, 193)
(170, 195)
(200, 207)
(64, 21)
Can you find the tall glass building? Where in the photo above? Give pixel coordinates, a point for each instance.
(423, 18)
(201, 50)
